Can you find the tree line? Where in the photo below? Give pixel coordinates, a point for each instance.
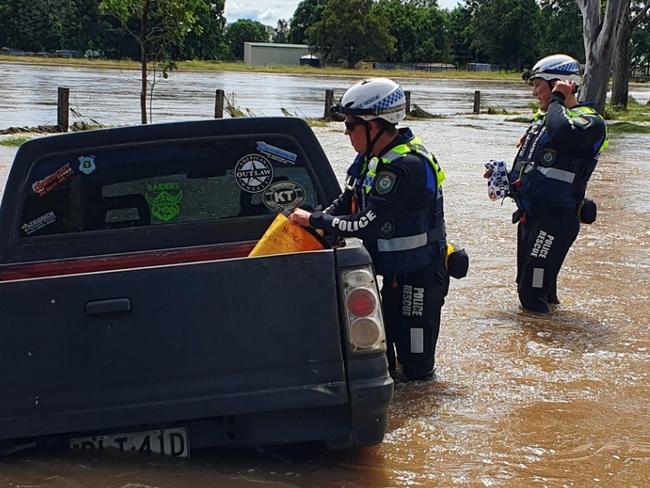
(511, 34)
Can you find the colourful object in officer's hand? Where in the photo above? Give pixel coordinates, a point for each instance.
(498, 183)
(284, 237)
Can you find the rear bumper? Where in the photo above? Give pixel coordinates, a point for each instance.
(369, 401)
(361, 421)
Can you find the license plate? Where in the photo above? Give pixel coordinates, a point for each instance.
(164, 442)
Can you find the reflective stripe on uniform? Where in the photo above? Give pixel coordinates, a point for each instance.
(415, 146)
(412, 242)
(417, 341)
(538, 278)
(557, 174)
(402, 243)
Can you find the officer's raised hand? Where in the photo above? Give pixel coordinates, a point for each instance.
(564, 87)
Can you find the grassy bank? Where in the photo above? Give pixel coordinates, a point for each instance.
(627, 128)
(287, 70)
(14, 141)
(635, 112)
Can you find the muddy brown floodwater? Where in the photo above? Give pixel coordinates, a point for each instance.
(519, 399)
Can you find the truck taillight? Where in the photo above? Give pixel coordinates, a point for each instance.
(363, 311)
(361, 302)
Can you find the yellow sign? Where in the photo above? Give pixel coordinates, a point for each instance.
(282, 237)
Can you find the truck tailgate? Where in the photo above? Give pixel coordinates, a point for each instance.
(176, 342)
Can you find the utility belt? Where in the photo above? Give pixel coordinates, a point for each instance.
(587, 212)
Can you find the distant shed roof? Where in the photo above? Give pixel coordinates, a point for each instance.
(273, 44)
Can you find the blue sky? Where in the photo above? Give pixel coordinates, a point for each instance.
(269, 11)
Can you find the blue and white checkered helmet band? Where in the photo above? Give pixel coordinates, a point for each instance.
(394, 99)
(556, 66)
(376, 98)
(569, 67)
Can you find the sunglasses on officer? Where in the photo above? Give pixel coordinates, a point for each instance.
(350, 124)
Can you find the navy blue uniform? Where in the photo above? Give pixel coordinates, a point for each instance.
(394, 204)
(548, 181)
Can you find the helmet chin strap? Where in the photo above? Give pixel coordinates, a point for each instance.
(370, 143)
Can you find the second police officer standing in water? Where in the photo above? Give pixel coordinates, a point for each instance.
(393, 202)
(548, 180)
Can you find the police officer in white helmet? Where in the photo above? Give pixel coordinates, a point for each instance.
(393, 201)
(549, 176)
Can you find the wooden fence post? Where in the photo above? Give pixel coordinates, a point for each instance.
(407, 95)
(329, 101)
(63, 109)
(218, 104)
(477, 102)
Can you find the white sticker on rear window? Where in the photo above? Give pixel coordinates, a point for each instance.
(277, 154)
(38, 223)
(253, 173)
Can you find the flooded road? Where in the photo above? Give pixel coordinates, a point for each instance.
(519, 399)
(112, 97)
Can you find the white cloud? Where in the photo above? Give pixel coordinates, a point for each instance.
(266, 11)
(269, 11)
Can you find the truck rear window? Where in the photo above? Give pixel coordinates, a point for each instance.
(166, 183)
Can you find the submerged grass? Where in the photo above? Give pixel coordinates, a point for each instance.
(14, 141)
(627, 128)
(635, 112)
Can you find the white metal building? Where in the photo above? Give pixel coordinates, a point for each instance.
(266, 53)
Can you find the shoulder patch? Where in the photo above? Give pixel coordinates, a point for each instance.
(385, 182)
(581, 122)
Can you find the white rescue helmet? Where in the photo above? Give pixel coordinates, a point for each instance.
(374, 98)
(554, 67)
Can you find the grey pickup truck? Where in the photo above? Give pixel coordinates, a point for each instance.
(132, 318)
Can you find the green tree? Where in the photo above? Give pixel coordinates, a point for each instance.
(560, 27)
(351, 30)
(460, 38)
(37, 25)
(206, 39)
(433, 35)
(640, 43)
(307, 13)
(156, 27)
(245, 30)
(507, 31)
(402, 24)
(281, 32)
